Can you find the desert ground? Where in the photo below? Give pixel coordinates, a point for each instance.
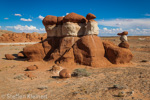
(117, 82)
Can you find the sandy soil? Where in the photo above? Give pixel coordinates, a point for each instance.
(132, 80)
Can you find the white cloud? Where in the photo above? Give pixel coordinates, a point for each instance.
(67, 13)
(133, 26)
(126, 23)
(26, 28)
(147, 14)
(41, 17)
(17, 14)
(6, 18)
(0, 26)
(23, 19)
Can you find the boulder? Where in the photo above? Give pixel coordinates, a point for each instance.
(117, 55)
(92, 28)
(75, 18)
(60, 20)
(34, 52)
(49, 20)
(21, 54)
(73, 29)
(64, 74)
(89, 50)
(9, 57)
(32, 68)
(90, 16)
(124, 44)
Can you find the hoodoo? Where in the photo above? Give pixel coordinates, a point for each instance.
(73, 39)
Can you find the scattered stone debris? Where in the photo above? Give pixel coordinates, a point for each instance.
(32, 68)
(42, 87)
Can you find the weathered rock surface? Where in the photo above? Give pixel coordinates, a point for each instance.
(92, 28)
(89, 51)
(124, 44)
(60, 20)
(34, 52)
(75, 18)
(123, 38)
(49, 20)
(117, 55)
(73, 29)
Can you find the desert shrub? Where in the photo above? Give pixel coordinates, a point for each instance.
(80, 73)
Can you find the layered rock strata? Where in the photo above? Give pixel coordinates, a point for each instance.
(73, 39)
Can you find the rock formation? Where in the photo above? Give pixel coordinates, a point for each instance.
(124, 41)
(73, 39)
(115, 54)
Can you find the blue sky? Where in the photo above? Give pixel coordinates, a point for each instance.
(113, 16)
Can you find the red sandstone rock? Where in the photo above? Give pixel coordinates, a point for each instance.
(90, 16)
(60, 20)
(65, 52)
(21, 54)
(49, 20)
(9, 57)
(123, 33)
(34, 52)
(73, 17)
(32, 68)
(64, 74)
(117, 55)
(89, 51)
(124, 44)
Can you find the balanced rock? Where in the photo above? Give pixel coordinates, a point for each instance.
(90, 16)
(34, 52)
(92, 28)
(89, 50)
(9, 57)
(64, 74)
(115, 54)
(32, 68)
(123, 33)
(124, 44)
(49, 20)
(75, 18)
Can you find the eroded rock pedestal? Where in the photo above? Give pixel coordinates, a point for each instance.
(73, 39)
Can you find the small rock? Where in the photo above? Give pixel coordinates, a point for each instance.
(20, 55)
(144, 61)
(9, 57)
(55, 68)
(64, 74)
(42, 87)
(32, 68)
